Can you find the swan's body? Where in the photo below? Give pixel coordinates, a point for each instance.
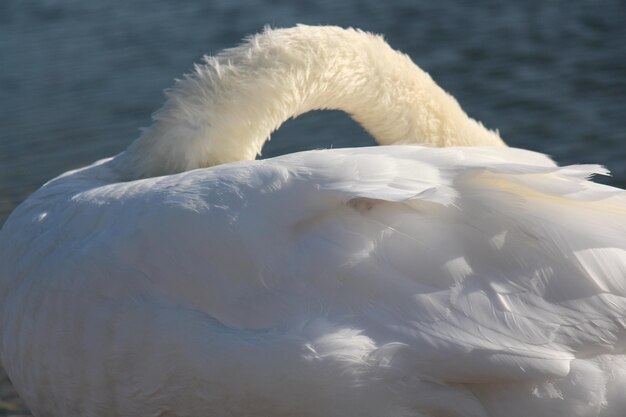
(390, 281)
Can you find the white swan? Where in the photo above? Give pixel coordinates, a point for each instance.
(389, 281)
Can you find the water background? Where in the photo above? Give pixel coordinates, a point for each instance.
(79, 77)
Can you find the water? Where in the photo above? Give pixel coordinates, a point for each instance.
(78, 78)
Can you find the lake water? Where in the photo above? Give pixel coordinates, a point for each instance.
(78, 78)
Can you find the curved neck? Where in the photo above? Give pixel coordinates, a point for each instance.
(227, 108)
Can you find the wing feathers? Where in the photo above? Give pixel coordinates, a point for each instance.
(492, 268)
(532, 257)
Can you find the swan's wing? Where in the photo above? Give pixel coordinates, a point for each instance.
(401, 268)
(494, 257)
(485, 265)
(480, 250)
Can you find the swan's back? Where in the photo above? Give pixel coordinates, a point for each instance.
(396, 281)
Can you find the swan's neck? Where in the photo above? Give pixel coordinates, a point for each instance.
(228, 107)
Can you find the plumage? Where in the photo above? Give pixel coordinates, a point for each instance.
(388, 281)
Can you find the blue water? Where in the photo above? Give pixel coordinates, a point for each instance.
(78, 78)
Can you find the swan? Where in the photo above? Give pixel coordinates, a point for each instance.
(443, 275)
